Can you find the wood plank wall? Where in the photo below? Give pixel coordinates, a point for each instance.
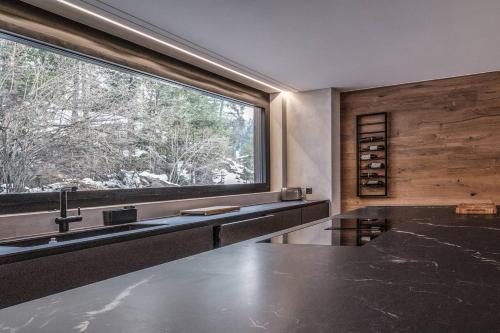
(444, 140)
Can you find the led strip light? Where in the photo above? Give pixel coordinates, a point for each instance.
(175, 47)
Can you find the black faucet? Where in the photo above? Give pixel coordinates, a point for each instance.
(64, 220)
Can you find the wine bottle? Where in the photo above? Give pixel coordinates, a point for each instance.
(367, 157)
(376, 165)
(374, 148)
(371, 139)
(369, 175)
(374, 183)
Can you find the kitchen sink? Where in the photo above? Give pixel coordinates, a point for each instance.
(75, 235)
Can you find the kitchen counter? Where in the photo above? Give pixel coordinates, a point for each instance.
(9, 254)
(432, 272)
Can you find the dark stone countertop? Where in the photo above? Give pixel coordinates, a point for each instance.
(433, 272)
(9, 254)
(415, 213)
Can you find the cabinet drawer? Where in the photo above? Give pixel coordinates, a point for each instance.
(289, 218)
(315, 212)
(231, 233)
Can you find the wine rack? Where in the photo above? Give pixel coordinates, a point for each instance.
(372, 154)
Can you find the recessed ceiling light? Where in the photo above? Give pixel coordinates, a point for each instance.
(160, 41)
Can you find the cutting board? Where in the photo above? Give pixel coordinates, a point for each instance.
(210, 210)
(485, 207)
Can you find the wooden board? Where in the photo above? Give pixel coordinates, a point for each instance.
(486, 208)
(443, 140)
(210, 210)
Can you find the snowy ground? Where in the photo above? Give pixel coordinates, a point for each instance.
(130, 179)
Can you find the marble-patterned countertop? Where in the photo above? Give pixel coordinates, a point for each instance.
(432, 272)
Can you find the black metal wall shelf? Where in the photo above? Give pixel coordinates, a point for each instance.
(372, 132)
(374, 184)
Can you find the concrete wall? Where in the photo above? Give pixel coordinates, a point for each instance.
(313, 145)
(15, 225)
(336, 154)
(309, 137)
(278, 141)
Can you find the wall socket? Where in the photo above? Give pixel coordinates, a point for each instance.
(309, 190)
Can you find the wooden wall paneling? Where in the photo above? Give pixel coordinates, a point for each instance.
(443, 140)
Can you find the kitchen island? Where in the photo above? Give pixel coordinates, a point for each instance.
(431, 272)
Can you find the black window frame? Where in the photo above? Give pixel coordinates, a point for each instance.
(46, 201)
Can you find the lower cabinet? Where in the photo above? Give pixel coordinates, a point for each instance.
(30, 279)
(231, 233)
(315, 212)
(239, 231)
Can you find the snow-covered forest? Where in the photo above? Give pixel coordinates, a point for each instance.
(67, 121)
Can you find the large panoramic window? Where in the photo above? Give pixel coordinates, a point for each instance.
(66, 120)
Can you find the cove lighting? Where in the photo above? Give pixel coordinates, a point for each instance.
(160, 41)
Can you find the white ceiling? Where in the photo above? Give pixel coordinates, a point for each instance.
(305, 45)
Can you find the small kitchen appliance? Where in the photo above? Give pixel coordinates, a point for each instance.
(291, 193)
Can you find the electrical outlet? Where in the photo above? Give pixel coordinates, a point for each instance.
(309, 190)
